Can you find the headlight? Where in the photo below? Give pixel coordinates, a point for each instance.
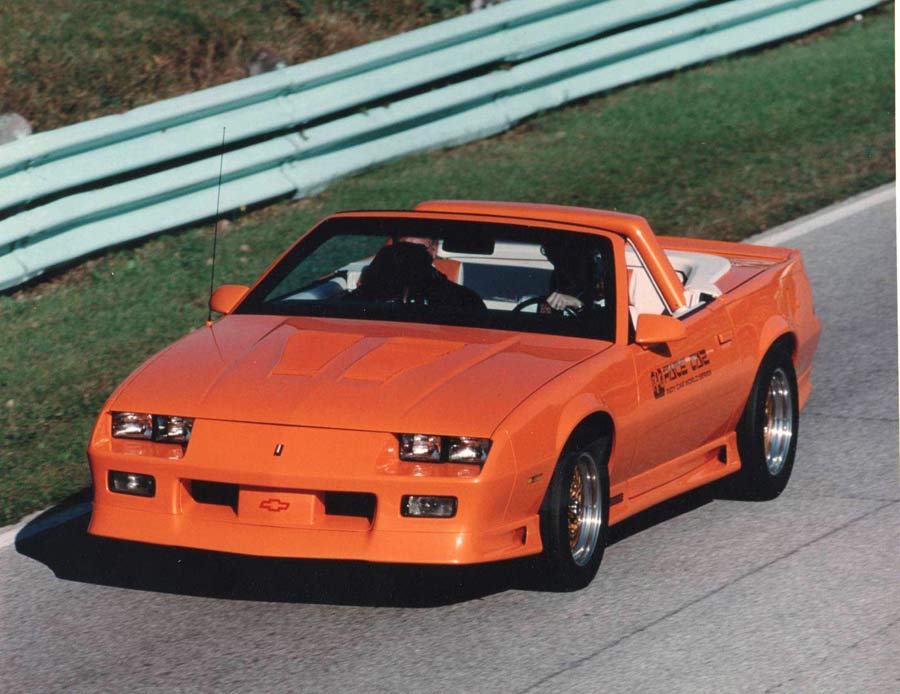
(132, 425)
(468, 449)
(153, 427)
(172, 429)
(420, 447)
(428, 448)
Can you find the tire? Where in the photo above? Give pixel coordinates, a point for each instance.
(575, 518)
(767, 431)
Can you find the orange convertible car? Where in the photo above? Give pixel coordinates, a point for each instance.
(465, 382)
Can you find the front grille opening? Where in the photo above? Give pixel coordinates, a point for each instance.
(217, 493)
(357, 504)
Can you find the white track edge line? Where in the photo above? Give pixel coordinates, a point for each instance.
(826, 217)
(26, 527)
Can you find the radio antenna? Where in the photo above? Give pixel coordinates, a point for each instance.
(212, 272)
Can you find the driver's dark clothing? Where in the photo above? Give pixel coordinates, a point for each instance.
(403, 272)
(574, 271)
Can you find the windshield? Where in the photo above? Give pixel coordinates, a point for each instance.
(450, 272)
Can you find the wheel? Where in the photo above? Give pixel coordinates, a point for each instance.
(767, 431)
(575, 518)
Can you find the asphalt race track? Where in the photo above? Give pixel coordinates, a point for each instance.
(702, 594)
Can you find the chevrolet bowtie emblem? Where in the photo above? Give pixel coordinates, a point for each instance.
(274, 505)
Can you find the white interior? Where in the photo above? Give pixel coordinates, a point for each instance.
(698, 272)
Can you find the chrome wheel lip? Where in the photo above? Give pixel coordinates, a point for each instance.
(778, 427)
(586, 512)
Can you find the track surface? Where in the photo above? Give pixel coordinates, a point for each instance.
(703, 594)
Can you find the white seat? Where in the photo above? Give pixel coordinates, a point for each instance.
(698, 271)
(642, 295)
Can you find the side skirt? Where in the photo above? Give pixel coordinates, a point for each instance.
(711, 461)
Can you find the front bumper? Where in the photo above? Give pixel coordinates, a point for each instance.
(389, 546)
(279, 504)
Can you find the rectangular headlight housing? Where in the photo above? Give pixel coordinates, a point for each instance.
(152, 427)
(132, 425)
(422, 447)
(468, 449)
(172, 429)
(428, 448)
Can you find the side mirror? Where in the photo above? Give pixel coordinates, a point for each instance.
(653, 330)
(227, 297)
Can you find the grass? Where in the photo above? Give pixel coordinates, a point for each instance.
(62, 62)
(720, 151)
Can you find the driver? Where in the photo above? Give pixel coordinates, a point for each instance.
(403, 272)
(574, 282)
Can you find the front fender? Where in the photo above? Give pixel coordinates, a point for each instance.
(576, 411)
(539, 428)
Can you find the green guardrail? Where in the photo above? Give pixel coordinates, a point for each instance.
(57, 202)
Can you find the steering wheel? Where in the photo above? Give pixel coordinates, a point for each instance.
(530, 301)
(568, 311)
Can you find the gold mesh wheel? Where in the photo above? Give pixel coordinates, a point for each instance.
(576, 503)
(584, 508)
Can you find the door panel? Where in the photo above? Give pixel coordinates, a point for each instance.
(686, 390)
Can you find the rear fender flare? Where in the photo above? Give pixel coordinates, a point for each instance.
(774, 329)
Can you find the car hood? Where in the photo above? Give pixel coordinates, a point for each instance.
(350, 374)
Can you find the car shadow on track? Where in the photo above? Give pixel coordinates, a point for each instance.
(72, 554)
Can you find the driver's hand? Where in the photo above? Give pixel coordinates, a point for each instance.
(558, 301)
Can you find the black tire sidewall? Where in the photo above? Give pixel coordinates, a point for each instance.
(562, 573)
(755, 480)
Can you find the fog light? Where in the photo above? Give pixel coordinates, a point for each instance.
(132, 483)
(428, 506)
